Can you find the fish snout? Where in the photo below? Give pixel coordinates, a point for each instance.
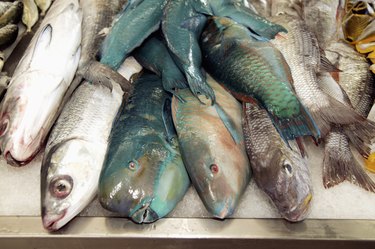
(51, 221)
(145, 215)
(300, 212)
(222, 209)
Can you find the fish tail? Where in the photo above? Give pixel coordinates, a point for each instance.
(335, 113)
(301, 125)
(199, 86)
(339, 164)
(360, 135)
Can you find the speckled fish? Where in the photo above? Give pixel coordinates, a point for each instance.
(143, 176)
(75, 153)
(43, 5)
(182, 26)
(154, 55)
(213, 149)
(10, 13)
(279, 171)
(39, 82)
(250, 68)
(305, 60)
(138, 20)
(30, 14)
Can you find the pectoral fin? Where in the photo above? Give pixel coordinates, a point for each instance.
(228, 123)
(168, 121)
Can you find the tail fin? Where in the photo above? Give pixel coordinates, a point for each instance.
(335, 113)
(360, 135)
(199, 86)
(340, 165)
(302, 125)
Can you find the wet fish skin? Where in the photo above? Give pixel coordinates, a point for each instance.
(214, 155)
(149, 56)
(249, 68)
(8, 34)
(143, 176)
(10, 13)
(75, 153)
(43, 5)
(30, 14)
(279, 171)
(39, 83)
(138, 20)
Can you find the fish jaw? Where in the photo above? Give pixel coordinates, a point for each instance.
(145, 215)
(53, 222)
(299, 212)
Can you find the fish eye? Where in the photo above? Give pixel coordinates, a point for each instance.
(214, 168)
(288, 168)
(61, 186)
(132, 165)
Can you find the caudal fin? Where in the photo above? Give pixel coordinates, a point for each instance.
(340, 165)
(301, 125)
(199, 86)
(360, 135)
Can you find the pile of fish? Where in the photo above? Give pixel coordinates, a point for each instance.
(230, 90)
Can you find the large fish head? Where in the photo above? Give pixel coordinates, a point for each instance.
(27, 113)
(131, 174)
(288, 184)
(70, 174)
(220, 174)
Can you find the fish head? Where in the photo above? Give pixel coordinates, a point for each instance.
(287, 182)
(219, 173)
(26, 115)
(70, 174)
(127, 183)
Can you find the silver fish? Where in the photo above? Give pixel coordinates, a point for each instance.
(39, 83)
(279, 171)
(75, 153)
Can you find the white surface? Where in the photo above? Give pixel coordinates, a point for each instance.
(20, 195)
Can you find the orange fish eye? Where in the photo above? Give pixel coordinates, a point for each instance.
(214, 168)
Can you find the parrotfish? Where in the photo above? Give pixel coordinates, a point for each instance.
(251, 68)
(143, 176)
(213, 149)
(279, 171)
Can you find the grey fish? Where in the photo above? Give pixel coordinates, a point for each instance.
(279, 171)
(10, 13)
(75, 153)
(8, 34)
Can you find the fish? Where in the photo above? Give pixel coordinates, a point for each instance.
(97, 18)
(75, 153)
(339, 163)
(302, 53)
(149, 54)
(278, 170)
(39, 83)
(250, 68)
(213, 148)
(10, 13)
(137, 21)
(43, 5)
(143, 177)
(30, 14)
(262, 7)
(327, 29)
(182, 26)
(8, 34)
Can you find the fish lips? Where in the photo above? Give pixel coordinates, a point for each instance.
(53, 222)
(145, 215)
(300, 212)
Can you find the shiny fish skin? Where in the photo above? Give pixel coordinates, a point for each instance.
(75, 153)
(279, 171)
(143, 177)
(39, 82)
(249, 68)
(214, 155)
(30, 14)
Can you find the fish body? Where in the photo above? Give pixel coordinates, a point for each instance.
(8, 34)
(43, 5)
(39, 82)
(30, 14)
(212, 146)
(302, 53)
(75, 153)
(149, 56)
(10, 13)
(279, 171)
(143, 176)
(137, 21)
(250, 68)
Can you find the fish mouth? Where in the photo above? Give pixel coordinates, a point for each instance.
(300, 212)
(50, 223)
(17, 163)
(145, 215)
